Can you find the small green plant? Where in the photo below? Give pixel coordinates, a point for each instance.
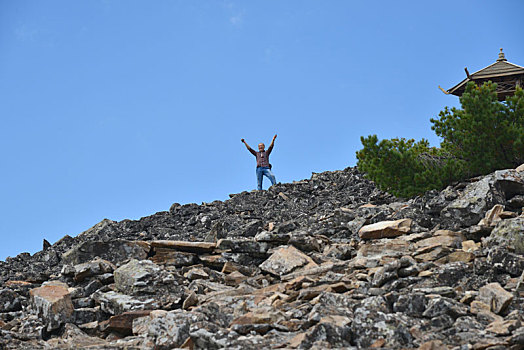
(483, 136)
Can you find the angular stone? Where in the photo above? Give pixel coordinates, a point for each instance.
(115, 251)
(106, 278)
(235, 278)
(468, 297)
(508, 215)
(92, 268)
(509, 233)
(166, 256)
(491, 344)
(123, 323)
(441, 290)
(256, 318)
(371, 323)
(212, 261)
(196, 273)
(167, 330)
(444, 238)
(517, 338)
(384, 247)
(310, 270)
(115, 303)
(141, 277)
(363, 263)
(312, 292)
(431, 253)
(92, 287)
(252, 228)
(488, 317)
(504, 261)
(286, 226)
(456, 257)
(73, 337)
(87, 315)
(476, 232)
(510, 182)
(340, 251)
(339, 287)
(89, 328)
(285, 260)
(306, 243)
(265, 236)
(9, 300)
(15, 283)
(191, 300)
(517, 202)
(355, 225)
(191, 247)
(433, 345)
(425, 273)
(503, 327)
(296, 340)
(412, 305)
(445, 306)
(470, 246)
(231, 267)
(483, 311)
(79, 303)
(204, 339)
(53, 305)
(474, 201)
(492, 216)
(330, 332)
(495, 296)
(385, 274)
(251, 247)
(451, 273)
(385, 229)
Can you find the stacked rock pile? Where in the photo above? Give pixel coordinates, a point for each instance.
(329, 262)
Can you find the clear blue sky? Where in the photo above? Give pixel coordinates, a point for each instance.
(117, 109)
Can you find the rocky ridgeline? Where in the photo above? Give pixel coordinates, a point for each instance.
(329, 262)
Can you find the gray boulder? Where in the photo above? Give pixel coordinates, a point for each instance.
(480, 196)
(508, 233)
(116, 251)
(165, 330)
(139, 277)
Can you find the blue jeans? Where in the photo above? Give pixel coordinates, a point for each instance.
(264, 171)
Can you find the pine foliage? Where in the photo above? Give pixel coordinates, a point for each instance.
(483, 136)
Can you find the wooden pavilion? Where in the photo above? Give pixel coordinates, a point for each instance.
(505, 74)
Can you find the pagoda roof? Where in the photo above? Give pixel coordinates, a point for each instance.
(501, 68)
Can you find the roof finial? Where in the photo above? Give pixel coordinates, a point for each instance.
(501, 56)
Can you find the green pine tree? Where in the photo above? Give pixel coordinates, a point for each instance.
(483, 136)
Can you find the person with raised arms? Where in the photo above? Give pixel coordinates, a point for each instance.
(263, 165)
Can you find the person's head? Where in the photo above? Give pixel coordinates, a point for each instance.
(261, 147)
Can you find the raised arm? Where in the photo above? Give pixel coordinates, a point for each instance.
(249, 148)
(271, 145)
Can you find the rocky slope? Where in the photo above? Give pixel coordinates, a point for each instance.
(329, 262)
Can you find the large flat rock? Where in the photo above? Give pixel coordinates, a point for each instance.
(385, 229)
(285, 260)
(191, 247)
